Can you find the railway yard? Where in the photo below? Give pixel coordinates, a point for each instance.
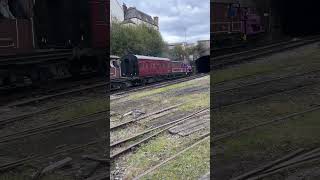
(57, 134)
(265, 115)
(161, 131)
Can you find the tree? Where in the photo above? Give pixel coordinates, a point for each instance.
(138, 39)
(179, 53)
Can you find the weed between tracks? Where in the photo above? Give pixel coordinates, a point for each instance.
(197, 101)
(245, 114)
(189, 165)
(164, 147)
(84, 108)
(274, 140)
(268, 64)
(175, 87)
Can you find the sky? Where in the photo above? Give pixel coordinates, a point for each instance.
(178, 17)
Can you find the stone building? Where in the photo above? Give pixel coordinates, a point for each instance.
(133, 16)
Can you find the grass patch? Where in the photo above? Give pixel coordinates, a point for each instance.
(275, 139)
(254, 68)
(190, 165)
(192, 83)
(196, 101)
(154, 152)
(243, 115)
(84, 108)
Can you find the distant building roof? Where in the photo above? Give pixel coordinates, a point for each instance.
(132, 12)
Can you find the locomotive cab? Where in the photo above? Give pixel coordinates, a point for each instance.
(129, 66)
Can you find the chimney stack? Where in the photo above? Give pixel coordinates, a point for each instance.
(156, 20)
(125, 8)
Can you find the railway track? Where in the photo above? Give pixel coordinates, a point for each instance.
(291, 160)
(114, 127)
(294, 75)
(285, 162)
(105, 85)
(25, 116)
(288, 161)
(51, 131)
(243, 47)
(235, 58)
(156, 131)
(156, 85)
(50, 127)
(56, 95)
(236, 95)
(200, 140)
(23, 161)
(223, 136)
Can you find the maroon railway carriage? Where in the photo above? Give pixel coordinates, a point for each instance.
(148, 66)
(152, 66)
(137, 69)
(52, 39)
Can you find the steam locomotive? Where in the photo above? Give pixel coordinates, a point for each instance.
(49, 40)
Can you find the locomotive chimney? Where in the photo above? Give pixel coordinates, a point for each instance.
(156, 20)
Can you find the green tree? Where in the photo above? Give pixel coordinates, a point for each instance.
(138, 39)
(177, 53)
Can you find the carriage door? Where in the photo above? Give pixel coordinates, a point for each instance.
(125, 67)
(129, 66)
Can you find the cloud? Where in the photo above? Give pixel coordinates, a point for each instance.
(177, 17)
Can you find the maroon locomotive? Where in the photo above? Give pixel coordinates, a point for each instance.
(45, 40)
(136, 69)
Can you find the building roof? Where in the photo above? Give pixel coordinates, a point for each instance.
(132, 12)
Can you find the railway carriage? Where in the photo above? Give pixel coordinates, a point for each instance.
(138, 69)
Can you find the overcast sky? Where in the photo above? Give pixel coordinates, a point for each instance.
(177, 15)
